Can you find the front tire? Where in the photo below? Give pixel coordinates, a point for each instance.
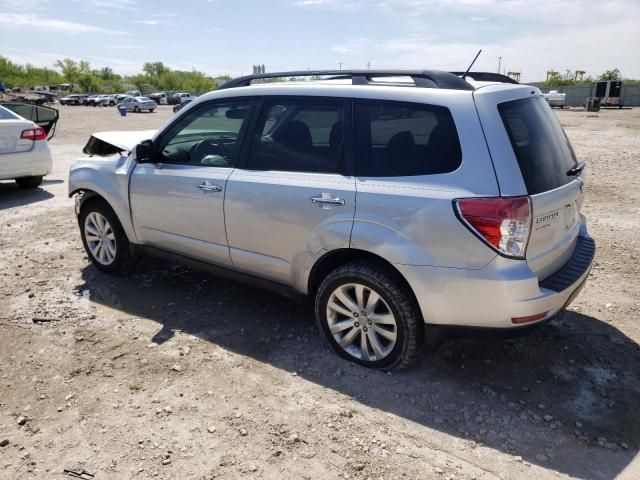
(136, 109)
(29, 182)
(103, 238)
(151, 110)
(368, 315)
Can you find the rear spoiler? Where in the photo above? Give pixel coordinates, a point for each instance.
(487, 77)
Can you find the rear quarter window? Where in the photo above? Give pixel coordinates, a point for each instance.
(395, 139)
(539, 143)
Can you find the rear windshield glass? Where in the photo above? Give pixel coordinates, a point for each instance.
(541, 146)
(6, 114)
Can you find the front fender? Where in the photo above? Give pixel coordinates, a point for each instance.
(109, 180)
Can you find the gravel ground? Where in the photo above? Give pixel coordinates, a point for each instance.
(175, 374)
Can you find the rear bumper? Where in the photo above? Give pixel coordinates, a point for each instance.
(504, 289)
(35, 162)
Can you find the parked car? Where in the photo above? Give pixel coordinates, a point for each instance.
(24, 150)
(179, 106)
(463, 211)
(88, 99)
(134, 93)
(73, 99)
(182, 97)
(108, 100)
(95, 100)
(121, 97)
(137, 104)
(159, 97)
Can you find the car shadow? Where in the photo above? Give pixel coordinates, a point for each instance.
(51, 182)
(551, 397)
(12, 196)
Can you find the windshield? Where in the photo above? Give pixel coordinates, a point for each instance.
(543, 150)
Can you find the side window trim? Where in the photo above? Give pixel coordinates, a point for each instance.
(347, 150)
(241, 135)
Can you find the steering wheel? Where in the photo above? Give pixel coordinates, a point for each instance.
(209, 148)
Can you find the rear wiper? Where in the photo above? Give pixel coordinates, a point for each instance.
(572, 172)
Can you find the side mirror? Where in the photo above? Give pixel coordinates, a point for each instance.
(144, 151)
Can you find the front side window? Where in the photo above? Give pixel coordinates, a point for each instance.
(207, 136)
(300, 135)
(396, 139)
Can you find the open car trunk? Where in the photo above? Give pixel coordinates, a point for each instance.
(45, 117)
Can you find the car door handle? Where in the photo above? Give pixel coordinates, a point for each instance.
(209, 187)
(326, 199)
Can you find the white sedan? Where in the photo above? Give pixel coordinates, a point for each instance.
(137, 104)
(24, 150)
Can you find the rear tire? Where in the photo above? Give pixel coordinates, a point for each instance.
(383, 333)
(151, 110)
(103, 238)
(29, 182)
(136, 109)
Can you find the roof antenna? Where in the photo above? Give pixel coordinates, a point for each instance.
(474, 61)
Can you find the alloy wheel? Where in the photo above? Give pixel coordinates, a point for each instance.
(361, 322)
(100, 238)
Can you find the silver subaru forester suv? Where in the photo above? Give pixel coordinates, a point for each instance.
(399, 201)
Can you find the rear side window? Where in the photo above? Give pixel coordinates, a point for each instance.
(543, 150)
(396, 139)
(301, 135)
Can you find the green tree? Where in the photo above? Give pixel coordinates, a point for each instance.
(154, 69)
(611, 75)
(69, 68)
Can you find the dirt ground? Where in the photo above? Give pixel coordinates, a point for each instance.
(175, 374)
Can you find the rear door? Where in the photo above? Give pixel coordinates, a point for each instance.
(177, 203)
(533, 156)
(294, 199)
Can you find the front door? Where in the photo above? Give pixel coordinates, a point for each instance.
(293, 200)
(177, 202)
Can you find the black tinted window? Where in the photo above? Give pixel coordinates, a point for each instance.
(299, 136)
(543, 150)
(400, 139)
(206, 136)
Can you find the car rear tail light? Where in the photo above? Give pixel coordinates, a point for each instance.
(503, 223)
(34, 134)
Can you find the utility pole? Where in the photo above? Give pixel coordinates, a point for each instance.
(368, 65)
(340, 64)
(499, 62)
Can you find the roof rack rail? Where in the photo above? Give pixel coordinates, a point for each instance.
(487, 77)
(421, 78)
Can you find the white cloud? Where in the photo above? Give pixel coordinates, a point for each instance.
(117, 46)
(16, 20)
(480, 19)
(111, 4)
(147, 22)
(25, 4)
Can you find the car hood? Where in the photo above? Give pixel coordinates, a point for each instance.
(109, 143)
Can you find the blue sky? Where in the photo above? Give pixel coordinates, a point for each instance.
(218, 36)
